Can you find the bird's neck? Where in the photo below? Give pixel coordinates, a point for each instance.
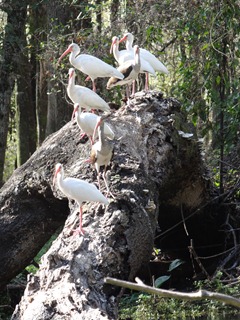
(116, 52)
(129, 45)
(78, 116)
(60, 180)
(137, 59)
(101, 134)
(73, 56)
(71, 81)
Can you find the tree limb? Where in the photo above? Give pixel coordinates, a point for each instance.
(192, 296)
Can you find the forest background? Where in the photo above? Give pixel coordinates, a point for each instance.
(198, 41)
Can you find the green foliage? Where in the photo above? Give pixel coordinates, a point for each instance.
(140, 306)
(161, 280)
(32, 268)
(5, 306)
(173, 265)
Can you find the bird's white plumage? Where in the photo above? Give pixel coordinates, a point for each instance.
(85, 97)
(120, 56)
(101, 152)
(90, 65)
(130, 70)
(87, 122)
(125, 55)
(77, 189)
(145, 54)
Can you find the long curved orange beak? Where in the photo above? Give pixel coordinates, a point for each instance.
(124, 38)
(64, 54)
(55, 175)
(113, 42)
(95, 129)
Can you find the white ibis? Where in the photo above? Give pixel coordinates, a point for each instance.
(130, 69)
(125, 55)
(87, 122)
(86, 97)
(120, 56)
(102, 151)
(145, 54)
(90, 65)
(78, 190)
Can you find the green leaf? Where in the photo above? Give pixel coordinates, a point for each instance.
(218, 80)
(176, 263)
(160, 280)
(205, 46)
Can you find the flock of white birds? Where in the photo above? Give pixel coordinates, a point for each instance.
(132, 61)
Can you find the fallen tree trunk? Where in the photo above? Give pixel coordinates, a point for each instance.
(156, 164)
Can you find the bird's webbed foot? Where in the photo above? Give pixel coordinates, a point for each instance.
(78, 231)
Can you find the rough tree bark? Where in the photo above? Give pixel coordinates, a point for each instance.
(9, 48)
(154, 162)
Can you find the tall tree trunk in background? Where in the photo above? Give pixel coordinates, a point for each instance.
(41, 100)
(26, 120)
(9, 49)
(6, 88)
(58, 113)
(38, 23)
(85, 22)
(114, 8)
(99, 16)
(130, 16)
(224, 84)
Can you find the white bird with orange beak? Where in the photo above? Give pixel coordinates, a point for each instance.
(102, 151)
(90, 65)
(130, 69)
(78, 190)
(87, 122)
(85, 97)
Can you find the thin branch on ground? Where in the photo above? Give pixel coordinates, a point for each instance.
(195, 256)
(190, 296)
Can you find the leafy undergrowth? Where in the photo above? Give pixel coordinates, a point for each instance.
(5, 307)
(33, 268)
(138, 306)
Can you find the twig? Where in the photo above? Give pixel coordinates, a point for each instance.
(168, 44)
(217, 254)
(211, 30)
(192, 214)
(225, 261)
(192, 296)
(193, 253)
(184, 224)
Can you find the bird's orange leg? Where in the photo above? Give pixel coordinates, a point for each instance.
(134, 87)
(98, 178)
(94, 86)
(146, 81)
(79, 230)
(83, 134)
(106, 183)
(91, 140)
(88, 160)
(128, 96)
(93, 83)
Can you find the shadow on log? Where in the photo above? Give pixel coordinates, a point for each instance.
(156, 171)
